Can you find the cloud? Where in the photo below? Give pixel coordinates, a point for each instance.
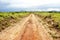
(28, 4)
(48, 9)
(53, 9)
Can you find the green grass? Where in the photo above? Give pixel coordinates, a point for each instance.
(7, 17)
(55, 16)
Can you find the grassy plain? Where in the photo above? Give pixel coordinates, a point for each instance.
(6, 18)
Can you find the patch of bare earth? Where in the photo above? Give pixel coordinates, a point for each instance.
(28, 29)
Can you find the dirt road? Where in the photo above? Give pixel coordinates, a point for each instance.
(28, 28)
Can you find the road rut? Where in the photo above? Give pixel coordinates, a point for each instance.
(28, 29)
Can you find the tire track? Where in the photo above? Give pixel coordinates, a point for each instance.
(28, 29)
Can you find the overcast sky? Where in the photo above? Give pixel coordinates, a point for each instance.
(11, 5)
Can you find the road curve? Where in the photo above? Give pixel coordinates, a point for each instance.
(28, 28)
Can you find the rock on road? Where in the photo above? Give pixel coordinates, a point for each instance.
(28, 28)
